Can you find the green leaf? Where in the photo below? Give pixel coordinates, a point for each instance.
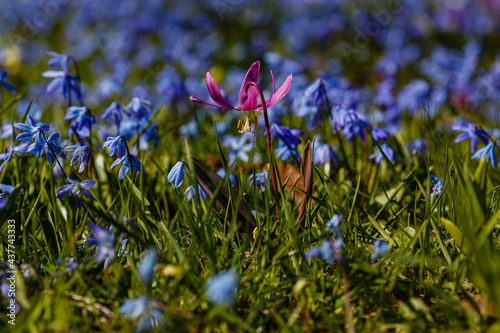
(212, 182)
(462, 243)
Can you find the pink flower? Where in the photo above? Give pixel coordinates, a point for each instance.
(248, 100)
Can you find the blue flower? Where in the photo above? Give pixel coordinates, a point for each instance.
(115, 113)
(116, 144)
(334, 224)
(417, 146)
(287, 135)
(379, 134)
(125, 161)
(190, 129)
(82, 122)
(176, 175)
(222, 174)
(325, 251)
(144, 308)
(32, 131)
(76, 189)
(285, 151)
(51, 147)
(260, 179)
(5, 85)
(139, 108)
(437, 187)
(313, 104)
(355, 124)
(190, 192)
(105, 242)
(62, 81)
(17, 151)
(58, 60)
(472, 132)
(324, 153)
(221, 288)
(69, 265)
(7, 189)
(338, 118)
(239, 147)
(388, 151)
(489, 153)
(380, 249)
(80, 156)
(146, 268)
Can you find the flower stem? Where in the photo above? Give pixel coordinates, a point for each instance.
(55, 155)
(128, 155)
(268, 135)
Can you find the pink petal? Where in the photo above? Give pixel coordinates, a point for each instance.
(252, 99)
(252, 75)
(282, 91)
(274, 83)
(197, 100)
(214, 92)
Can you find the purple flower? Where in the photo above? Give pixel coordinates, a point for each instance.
(76, 189)
(221, 288)
(248, 100)
(176, 175)
(32, 131)
(472, 132)
(105, 242)
(388, 151)
(80, 156)
(489, 153)
(125, 161)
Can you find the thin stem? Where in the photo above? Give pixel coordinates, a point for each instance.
(53, 153)
(90, 143)
(342, 150)
(268, 135)
(77, 70)
(128, 155)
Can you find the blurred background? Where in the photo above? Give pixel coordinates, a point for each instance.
(373, 55)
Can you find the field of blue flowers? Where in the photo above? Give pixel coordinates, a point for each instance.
(249, 166)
